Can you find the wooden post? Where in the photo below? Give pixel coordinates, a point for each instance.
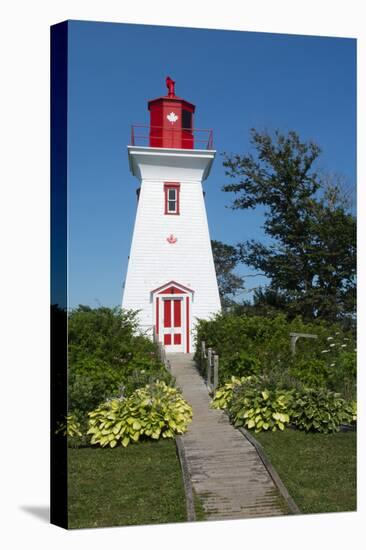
(293, 343)
(294, 338)
(216, 372)
(203, 349)
(209, 364)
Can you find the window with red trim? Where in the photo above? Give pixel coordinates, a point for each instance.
(171, 193)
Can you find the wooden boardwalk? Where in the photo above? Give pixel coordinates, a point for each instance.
(225, 469)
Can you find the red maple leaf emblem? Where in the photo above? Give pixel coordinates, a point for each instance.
(171, 239)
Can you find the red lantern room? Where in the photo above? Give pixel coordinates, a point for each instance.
(171, 124)
(171, 120)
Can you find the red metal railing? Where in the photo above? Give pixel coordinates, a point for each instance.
(190, 138)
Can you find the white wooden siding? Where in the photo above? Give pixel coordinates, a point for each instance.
(154, 262)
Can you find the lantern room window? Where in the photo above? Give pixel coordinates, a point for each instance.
(171, 192)
(186, 119)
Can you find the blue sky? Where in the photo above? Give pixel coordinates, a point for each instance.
(237, 80)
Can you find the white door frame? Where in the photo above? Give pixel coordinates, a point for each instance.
(172, 330)
(184, 294)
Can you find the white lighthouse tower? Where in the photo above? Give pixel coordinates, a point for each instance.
(171, 276)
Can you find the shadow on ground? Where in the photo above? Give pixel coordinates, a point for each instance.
(40, 512)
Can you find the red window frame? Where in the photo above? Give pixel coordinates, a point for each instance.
(167, 188)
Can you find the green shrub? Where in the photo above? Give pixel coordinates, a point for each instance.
(320, 410)
(70, 427)
(90, 382)
(261, 345)
(224, 394)
(239, 363)
(353, 410)
(108, 358)
(143, 370)
(252, 404)
(261, 340)
(312, 372)
(342, 375)
(339, 353)
(264, 341)
(261, 409)
(154, 411)
(103, 333)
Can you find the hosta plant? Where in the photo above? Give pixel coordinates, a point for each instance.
(261, 409)
(70, 427)
(320, 410)
(224, 394)
(155, 411)
(353, 410)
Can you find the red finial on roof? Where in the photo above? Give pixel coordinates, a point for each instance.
(170, 85)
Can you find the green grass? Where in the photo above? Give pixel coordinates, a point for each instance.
(200, 512)
(318, 470)
(141, 484)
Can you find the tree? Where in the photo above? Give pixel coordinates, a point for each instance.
(311, 257)
(226, 258)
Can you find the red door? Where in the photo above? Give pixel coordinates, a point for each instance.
(172, 324)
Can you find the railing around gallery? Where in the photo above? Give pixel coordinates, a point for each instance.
(191, 138)
(212, 368)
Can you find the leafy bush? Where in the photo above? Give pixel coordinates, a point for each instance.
(261, 341)
(240, 363)
(320, 410)
(142, 371)
(103, 333)
(224, 394)
(70, 427)
(91, 381)
(261, 410)
(261, 345)
(353, 410)
(108, 357)
(311, 372)
(154, 411)
(252, 404)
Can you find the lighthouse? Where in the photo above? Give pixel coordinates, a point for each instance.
(171, 276)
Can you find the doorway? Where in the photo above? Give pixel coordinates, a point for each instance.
(172, 316)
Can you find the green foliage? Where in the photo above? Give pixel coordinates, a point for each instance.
(143, 370)
(90, 382)
(226, 258)
(340, 355)
(310, 371)
(267, 410)
(310, 258)
(257, 403)
(70, 427)
(154, 411)
(244, 344)
(320, 410)
(103, 333)
(240, 363)
(353, 410)
(108, 357)
(254, 406)
(224, 395)
(259, 345)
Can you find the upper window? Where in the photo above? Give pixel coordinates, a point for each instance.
(186, 119)
(171, 191)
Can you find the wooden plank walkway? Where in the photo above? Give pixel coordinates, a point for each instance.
(226, 471)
